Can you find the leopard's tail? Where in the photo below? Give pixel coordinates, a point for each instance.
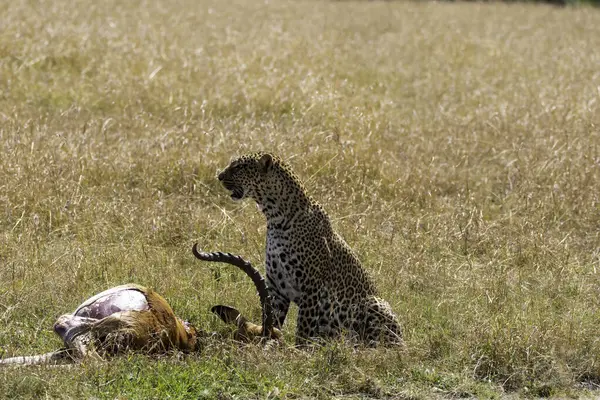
(253, 273)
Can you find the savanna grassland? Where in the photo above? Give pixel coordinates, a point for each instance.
(455, 146)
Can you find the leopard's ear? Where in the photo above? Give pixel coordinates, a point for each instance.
(266, 163)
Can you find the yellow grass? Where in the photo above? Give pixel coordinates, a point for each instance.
(455, 146)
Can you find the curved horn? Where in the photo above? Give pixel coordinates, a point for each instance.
(53, 357)
(253, 273)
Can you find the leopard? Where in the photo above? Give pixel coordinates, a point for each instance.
(307, 262)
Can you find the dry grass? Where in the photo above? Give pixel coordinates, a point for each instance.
(456, 147)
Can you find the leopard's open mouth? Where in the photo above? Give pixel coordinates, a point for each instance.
(237, 193)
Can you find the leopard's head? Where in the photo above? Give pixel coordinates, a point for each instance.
(247, 176)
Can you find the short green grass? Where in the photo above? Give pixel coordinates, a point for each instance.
(455, 146)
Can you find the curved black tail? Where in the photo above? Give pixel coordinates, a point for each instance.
(253, 273)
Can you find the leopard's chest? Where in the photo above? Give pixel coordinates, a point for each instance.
(284, 264)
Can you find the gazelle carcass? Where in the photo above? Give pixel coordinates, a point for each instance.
(127, 317)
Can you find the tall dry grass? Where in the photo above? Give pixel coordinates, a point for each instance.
(455, 147)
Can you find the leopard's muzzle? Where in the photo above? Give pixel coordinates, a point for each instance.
(237, 192)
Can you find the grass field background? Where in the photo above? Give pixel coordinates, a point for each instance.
(455, 146)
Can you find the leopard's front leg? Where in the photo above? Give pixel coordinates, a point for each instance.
(279, 303)
(307, 326)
